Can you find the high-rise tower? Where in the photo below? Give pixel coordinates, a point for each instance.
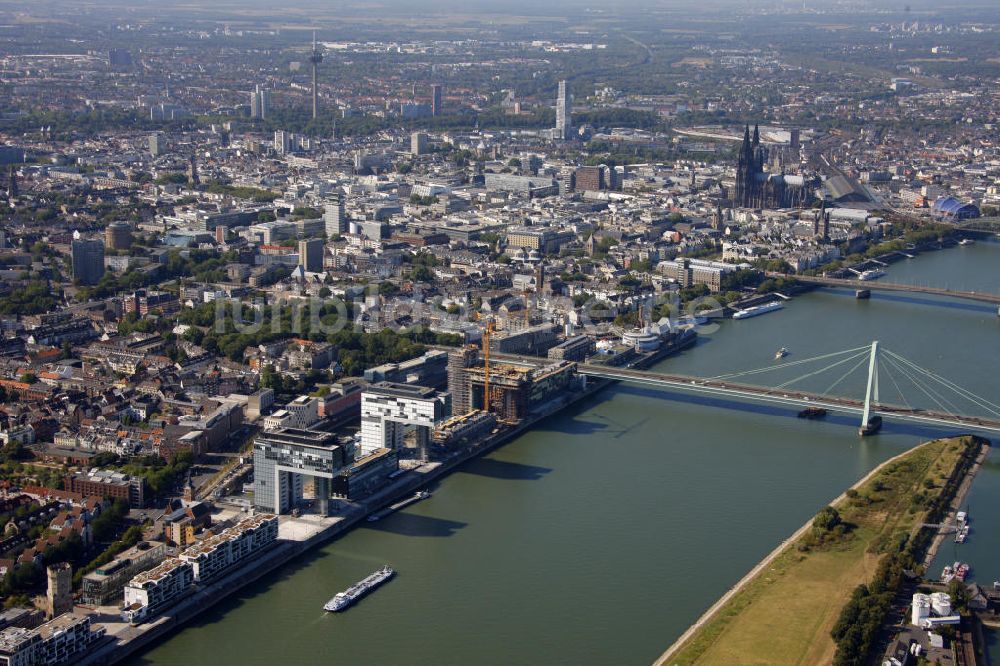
(87, 260)
(260, 102)
(315, 58)
(12, 190)
(193, 178)
(564, 122)
(436, 99)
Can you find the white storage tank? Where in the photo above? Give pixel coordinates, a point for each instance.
(941, 604)
(920, 609)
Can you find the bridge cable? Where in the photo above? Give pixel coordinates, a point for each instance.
(861, 355)
(790, 364)
(892, 377)
(977, 400)
(846, 374)
(924, 389)
(964, 393)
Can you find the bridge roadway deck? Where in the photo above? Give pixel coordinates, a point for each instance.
(878, 285)
(785, 396)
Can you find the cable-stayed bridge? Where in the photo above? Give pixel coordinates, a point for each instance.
(885, 372)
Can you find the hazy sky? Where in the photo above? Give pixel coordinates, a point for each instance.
(501, 6)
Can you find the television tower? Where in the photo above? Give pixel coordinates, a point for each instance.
(315, 58)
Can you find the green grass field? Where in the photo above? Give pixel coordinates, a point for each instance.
(784, 615)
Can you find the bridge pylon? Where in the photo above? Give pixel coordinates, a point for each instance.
(871, 393)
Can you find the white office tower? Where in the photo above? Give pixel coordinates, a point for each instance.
(260, 103)
(335, 217)
(390, 410)
(564, 120)
(282, 142)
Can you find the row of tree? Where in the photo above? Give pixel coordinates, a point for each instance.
(857, 628)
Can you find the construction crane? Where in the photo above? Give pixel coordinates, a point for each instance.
(487, 333)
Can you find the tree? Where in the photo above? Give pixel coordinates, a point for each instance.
(109, 523)
(305, 212)
(271, 379)
(28, 378)
(827, 518)
(421, 274)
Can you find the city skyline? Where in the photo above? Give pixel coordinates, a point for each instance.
(645, 332)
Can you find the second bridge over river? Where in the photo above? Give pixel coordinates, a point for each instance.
(879, 285)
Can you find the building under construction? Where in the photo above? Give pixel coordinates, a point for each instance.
(464, 429)
(513, 387)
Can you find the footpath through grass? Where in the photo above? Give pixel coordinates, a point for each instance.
(785, 613)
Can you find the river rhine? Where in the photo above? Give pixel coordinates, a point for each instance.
(601, 535)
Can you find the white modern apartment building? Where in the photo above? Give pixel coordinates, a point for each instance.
(300, 413)
(389, 410)
(224, 551)
(62, 640)
(151, 592)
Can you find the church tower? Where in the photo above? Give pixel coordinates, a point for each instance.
(744, 171)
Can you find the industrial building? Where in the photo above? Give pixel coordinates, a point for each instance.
(930, 610)
(281, 460)
(118, 236)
